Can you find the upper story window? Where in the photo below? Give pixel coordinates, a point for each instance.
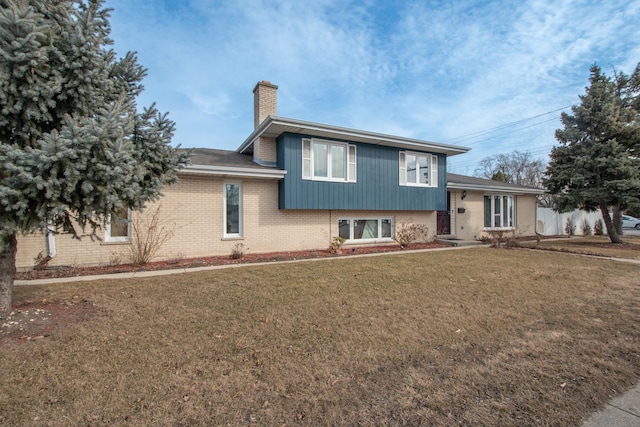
(328, 161)
(118, 226)
(418, 169)
(499, 211)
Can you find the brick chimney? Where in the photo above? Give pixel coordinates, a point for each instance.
(265, 102)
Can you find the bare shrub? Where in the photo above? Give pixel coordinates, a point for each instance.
(570, 227)
(585, 227)
(507, 238)
(598, 228)
(148, 234)
(41, 261)
(411, 232)
(115, 258)
(336, 245)
(237, 251)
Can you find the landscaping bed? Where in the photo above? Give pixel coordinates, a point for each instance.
(247, 258)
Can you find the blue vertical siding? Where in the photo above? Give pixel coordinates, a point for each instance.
(377, 186)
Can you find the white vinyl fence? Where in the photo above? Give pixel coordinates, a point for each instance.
(551, 223)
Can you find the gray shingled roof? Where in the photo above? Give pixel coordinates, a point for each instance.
(211, 157)
(463, 181)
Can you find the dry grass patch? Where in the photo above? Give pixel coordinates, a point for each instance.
(474, 337)
(594, 245)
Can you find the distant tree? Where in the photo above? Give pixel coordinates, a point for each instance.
(515, 168)
(73, 147)
(499, 176)
(596, 164)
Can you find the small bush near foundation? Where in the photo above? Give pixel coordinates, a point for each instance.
(41, 261)
(149, 233)
(409, 233)
(336, 245)
(237, 251)
(585, 227)
(570, 227)
(598, 228)
(504, 238)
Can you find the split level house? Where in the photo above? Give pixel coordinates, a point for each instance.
(296, 185)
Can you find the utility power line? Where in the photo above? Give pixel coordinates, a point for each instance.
(470, 163)
(489, 131)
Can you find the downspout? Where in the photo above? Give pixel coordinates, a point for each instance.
(51, 241)
(538, 235)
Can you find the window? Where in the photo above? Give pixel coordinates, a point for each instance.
(499, 211)
(232, 209)
(118, 226)
(365, 229)
(328, 161)
(418, 170)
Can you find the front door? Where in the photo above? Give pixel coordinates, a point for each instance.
(444, 218)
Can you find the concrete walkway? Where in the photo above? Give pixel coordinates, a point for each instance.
(622, 411)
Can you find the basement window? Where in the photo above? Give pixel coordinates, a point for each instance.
(366, 229)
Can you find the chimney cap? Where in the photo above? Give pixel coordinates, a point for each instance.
(265, 83)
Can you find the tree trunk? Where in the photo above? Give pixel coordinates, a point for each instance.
(617, 220)
(613, 236)
(7, 272)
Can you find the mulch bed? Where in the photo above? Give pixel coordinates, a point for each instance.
(32, 321)
(71, 271)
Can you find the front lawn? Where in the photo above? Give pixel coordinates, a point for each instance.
(592, 245)
(461, 337)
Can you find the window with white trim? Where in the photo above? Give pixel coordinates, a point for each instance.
(365, 229)
(232, 209)
(499, 211)
(418, 169)
(118, 226)
(328, 161)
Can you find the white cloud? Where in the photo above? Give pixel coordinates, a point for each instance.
(431, 70)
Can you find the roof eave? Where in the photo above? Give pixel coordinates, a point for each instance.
(502, 189)
(230, 171)
(273, 122)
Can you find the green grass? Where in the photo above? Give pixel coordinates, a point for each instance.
(471, 337)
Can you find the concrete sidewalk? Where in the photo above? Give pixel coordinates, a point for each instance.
(622, 411)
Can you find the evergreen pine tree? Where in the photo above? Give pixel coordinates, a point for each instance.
(595, 167)
(73, 146)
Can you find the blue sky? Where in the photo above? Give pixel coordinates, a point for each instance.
(492, 75)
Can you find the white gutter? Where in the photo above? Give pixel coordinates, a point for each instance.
(480, 187)
(278, 125)
(234, 171)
